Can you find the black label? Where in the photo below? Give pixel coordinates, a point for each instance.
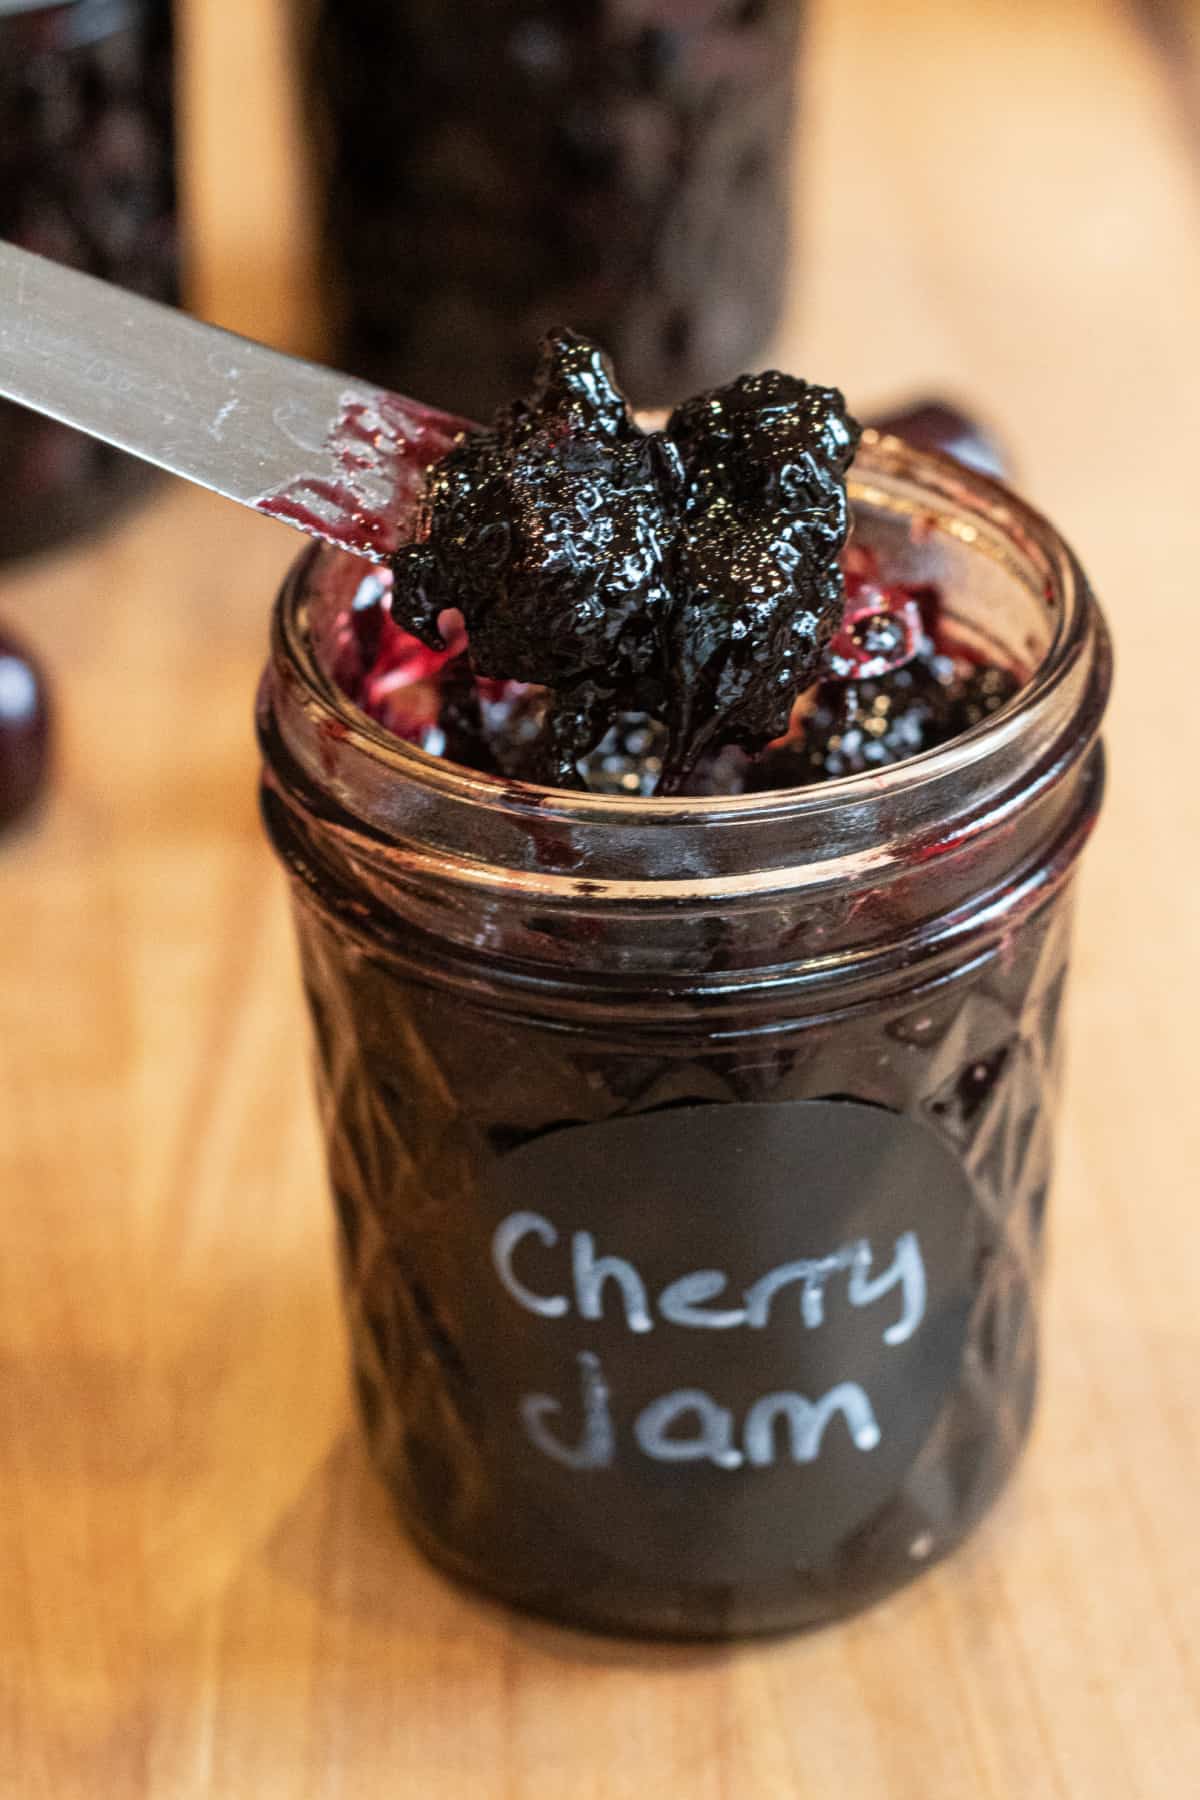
(718, 1336)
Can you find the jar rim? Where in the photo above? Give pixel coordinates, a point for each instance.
(942, 495)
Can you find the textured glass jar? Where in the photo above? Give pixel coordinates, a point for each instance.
(691, 1156)
(486, 172)
(87, 176)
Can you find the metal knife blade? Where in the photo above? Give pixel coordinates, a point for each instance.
(334, 456)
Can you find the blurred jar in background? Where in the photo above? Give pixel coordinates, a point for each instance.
(484, 172)
(87, 176)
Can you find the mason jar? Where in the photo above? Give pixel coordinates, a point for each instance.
(484, 173)
(87, 177)
(691, 1157)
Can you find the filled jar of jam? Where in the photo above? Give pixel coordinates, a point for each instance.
(486, 172)
(691, 1154)
(87, 177)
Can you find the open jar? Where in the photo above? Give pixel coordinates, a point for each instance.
(87, 177)
(484, 173)
(691, 1156)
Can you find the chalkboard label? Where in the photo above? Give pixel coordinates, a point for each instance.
(712, 1340)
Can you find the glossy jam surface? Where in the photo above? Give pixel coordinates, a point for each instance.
(619, 168)
(865, 718)
(593, 605)
(929, 691)
(87, 178)
(689, 575)
(850, 722)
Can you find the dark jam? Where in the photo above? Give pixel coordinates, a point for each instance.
(488, 171)
(651, 612)
(577, 1141)
(848, 723)
(87, 177)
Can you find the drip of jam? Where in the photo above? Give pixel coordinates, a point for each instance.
(687, 577)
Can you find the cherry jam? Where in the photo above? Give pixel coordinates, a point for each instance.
(591, 604)
(896, 684)
(691, 1156)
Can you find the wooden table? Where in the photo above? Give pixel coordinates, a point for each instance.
(201, 1588)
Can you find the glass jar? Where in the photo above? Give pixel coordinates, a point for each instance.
(87, 176)
(691, 1156)
(487, 172)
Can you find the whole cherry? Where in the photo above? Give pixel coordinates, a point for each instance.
(933, 424)
(24, 728)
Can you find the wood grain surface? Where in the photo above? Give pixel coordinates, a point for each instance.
(202, 1591)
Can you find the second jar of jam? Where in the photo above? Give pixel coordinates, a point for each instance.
(87, 177)
(691, 1156)
(486, 172)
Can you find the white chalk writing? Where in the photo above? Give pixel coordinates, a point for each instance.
(689, 1426)
(594, 1278)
